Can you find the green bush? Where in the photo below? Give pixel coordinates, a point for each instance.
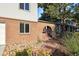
(22, 53)
(29, 52)
(25, 52)
(72, 43)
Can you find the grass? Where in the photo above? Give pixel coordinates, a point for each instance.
(71, 41)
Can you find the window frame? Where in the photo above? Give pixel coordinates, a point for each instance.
(20, 4)
(21, 30)
(24, 7)
(24, 28)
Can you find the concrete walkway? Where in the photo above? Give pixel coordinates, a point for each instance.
(1, 49)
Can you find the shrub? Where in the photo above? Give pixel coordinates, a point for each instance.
(29, 52)
(72, 43)
(23, 53)
(43, 53)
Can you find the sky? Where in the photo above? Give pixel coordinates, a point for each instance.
(40, 11)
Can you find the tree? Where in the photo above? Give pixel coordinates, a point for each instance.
(63, 11)
(76, 16)
(76, 12)
(55, 10)
(60, 11)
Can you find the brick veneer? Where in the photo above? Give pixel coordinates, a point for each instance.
(14, 39)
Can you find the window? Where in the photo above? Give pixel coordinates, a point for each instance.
(24, 28)
(21, 5)
(24, 6)
(21, 27)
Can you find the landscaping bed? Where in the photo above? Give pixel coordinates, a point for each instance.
(52, 47)
(48, 48)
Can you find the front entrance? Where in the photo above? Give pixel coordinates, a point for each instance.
(2, 37)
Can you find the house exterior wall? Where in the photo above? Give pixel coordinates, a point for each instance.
(16, 40)
(12, 10)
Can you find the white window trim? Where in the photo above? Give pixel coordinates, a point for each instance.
(25, 9)
(24, 28)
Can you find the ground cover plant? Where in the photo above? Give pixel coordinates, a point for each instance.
(71, 42)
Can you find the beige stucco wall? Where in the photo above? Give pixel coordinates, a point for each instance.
(14, 39)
